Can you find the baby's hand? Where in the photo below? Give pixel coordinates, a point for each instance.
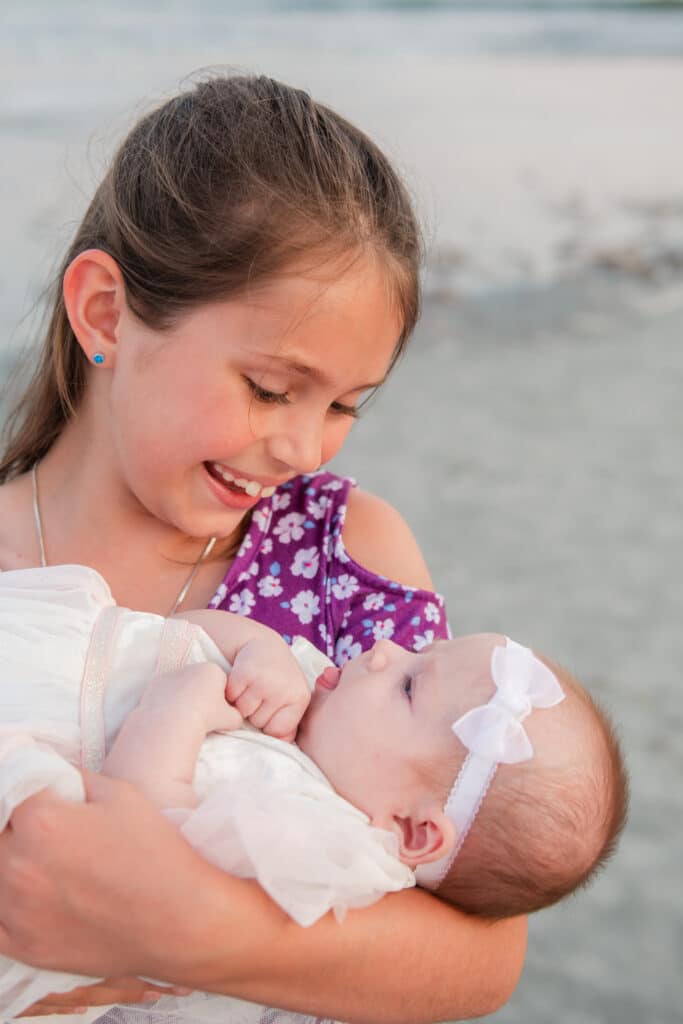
(196, 691)
(267, 686)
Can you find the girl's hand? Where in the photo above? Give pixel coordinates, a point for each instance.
(267, 686)
(93, 875)
(102, 993)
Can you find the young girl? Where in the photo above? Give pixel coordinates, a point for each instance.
(514, 811)
(246, 272)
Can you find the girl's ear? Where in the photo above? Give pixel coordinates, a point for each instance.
(94, 295)
(423, 838)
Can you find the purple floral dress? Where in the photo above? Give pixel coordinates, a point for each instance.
(293, 573)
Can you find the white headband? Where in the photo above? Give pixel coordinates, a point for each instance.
(493, 734)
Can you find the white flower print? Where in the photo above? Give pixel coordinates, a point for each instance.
(245, 545)
(383, 629)
(290, 527)
(346, 649)
(333, 485)
(432, 613)
(253, 569)
(421, 640)
(242, 603)
(305, 605)
(317, 508)
(281, 500)
(219, 596)
(269, 586)
(260, 518)
(267, 546)
(339, 550)
(345, 586)
(373, 602)
(305, 563)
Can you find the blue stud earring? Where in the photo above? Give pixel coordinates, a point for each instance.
(98, 359)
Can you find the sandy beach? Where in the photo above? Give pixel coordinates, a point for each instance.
(532, 434)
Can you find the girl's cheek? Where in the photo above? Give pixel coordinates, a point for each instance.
(335, 438)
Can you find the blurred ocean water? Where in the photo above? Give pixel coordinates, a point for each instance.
(532, 436)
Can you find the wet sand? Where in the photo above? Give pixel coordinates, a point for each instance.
(533, 443)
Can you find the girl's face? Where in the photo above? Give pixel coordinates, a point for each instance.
(241, 395)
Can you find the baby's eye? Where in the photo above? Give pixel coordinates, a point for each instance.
(408, 687)
(263, 395)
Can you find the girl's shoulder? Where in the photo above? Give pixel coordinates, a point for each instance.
(372, 532)
(17, 528)
(377, 536)
(323, 560)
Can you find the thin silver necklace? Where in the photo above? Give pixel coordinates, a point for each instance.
(184, 590)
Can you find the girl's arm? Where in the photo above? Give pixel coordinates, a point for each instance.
(126, 895)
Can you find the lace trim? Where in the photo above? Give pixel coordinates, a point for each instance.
(174, 649)
(95, 674)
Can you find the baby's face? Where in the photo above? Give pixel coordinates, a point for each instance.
(390, 714)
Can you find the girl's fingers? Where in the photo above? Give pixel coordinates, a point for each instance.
(104, 993)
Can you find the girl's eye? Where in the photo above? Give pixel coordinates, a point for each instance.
(263, 395)
(345, 410)
(408, 687)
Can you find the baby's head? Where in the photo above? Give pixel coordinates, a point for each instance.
(509, 829)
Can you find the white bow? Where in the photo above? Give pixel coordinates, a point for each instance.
(493, 733)
(495, 730)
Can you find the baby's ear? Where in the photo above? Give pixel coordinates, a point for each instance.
(423, 838)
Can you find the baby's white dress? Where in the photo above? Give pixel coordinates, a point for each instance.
(74, 665)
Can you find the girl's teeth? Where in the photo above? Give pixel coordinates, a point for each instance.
(250, 487)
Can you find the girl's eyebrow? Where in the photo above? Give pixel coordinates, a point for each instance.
(314, 374)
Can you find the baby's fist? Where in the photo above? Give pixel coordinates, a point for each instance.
(268, 688)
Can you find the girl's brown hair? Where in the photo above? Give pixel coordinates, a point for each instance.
(223, 186)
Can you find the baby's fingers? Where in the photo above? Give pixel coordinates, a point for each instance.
(248, 704)
(236, 685)
(284, 723)
(228, 718)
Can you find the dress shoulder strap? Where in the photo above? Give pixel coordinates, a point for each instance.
(176, 640)
(95, 674)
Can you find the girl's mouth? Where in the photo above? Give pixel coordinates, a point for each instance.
(238, 486)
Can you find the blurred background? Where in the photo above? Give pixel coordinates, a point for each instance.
(532, 435)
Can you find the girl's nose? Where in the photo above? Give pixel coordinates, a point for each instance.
(298, 442)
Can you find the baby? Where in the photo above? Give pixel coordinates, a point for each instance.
(481, 772)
